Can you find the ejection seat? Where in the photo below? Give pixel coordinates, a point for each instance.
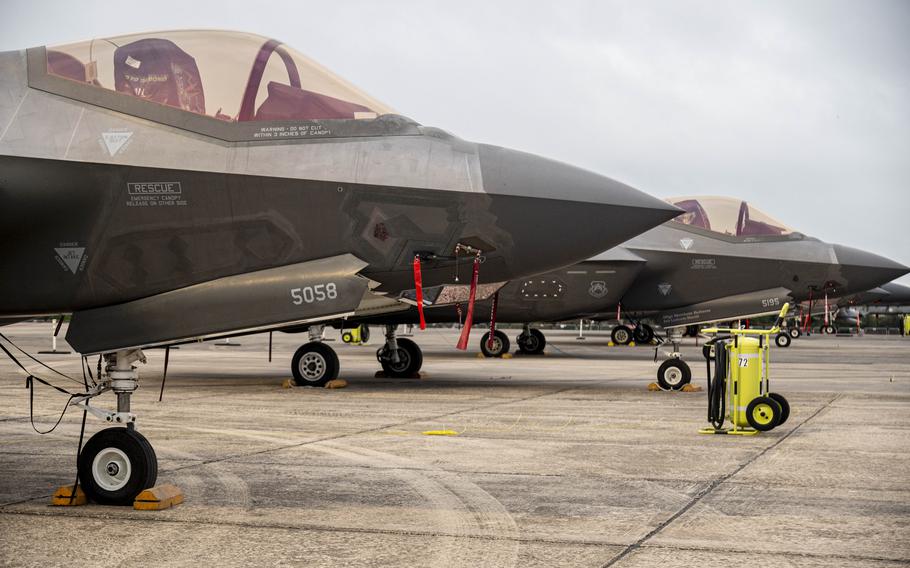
(157, 70)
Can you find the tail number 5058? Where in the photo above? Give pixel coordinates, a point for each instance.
(317, 293)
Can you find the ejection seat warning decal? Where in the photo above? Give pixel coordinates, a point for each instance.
(71, 257)
(155, 194)
(115, 141)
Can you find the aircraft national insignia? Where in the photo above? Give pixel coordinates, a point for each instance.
(70, 257)
(598, 289)
(115, 141)
(664, 288)
(686, 244)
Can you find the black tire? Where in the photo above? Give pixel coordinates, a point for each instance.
(673, 374)
(643, 334)
(829, 330)
(314, 364)
(410, 359)
(794, 332)
(782, 340)
(763, 413)
(531, 343)
(621, 335)
(784, 406)
(115, 465)
(347, 337)
(501, 344)
(364, 333)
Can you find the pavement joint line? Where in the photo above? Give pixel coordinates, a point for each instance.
(440, 534)
(707, 490)
(341, 436)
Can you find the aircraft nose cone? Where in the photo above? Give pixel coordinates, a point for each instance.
(862, 270)
(559, 214)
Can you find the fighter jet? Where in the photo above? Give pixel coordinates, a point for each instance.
(891, 299)
(181, 186)
(723, 259)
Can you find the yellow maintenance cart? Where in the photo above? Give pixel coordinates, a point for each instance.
(740, 382)
(359, 335)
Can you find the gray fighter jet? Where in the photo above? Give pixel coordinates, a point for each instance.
(181, 186)
(723, 259)
(891, 299)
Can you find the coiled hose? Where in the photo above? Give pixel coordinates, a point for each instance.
(717, 386)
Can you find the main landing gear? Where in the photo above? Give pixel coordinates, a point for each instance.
(116, 464)
(531, 341)
(399, 357)
(314, 363)
(623, 334)
(498, 347)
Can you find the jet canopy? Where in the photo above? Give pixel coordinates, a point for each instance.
(230, 76)
(728, 216)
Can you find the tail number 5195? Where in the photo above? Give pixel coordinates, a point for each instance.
(317, 293)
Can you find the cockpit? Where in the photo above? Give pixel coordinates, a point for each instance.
(728, 216)
(229, 76)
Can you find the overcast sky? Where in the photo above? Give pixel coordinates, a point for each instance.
(801, 107)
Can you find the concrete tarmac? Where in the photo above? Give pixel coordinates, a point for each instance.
(560, 460)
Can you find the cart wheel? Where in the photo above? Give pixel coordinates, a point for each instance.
(673, 374)
(763, 413)
(784, 406)
(782, 340)
(347, 337)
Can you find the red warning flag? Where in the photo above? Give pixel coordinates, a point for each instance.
(469, 319)
(418, 286)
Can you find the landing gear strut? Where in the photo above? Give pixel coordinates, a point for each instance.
(531, 341)
(399, 357)
(314, 363)
(116, 464)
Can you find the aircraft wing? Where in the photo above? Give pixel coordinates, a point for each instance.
(740, 306)
(276, 297)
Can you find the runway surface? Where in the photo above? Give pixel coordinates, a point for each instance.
(564, 459)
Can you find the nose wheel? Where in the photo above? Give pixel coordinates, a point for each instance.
(314, 364)
(673, 374)
(498, 347)
(116, 465)
(531, 342)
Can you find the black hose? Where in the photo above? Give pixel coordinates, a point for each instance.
(717, 400)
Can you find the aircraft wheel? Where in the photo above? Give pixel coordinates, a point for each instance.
(782, 340)
(673, 374)
(763, 413)
(531, 343)
(829, 329)
(115, 465)
(644, 333)
(784, 406)
(314, 364)
(621, 335)
(794, 332)
(410, 359)
(500, 344)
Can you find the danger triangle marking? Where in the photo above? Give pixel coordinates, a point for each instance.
(114, 141)
(71, 256)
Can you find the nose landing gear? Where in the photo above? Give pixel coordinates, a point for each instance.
(116, 464)
(314, 364)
